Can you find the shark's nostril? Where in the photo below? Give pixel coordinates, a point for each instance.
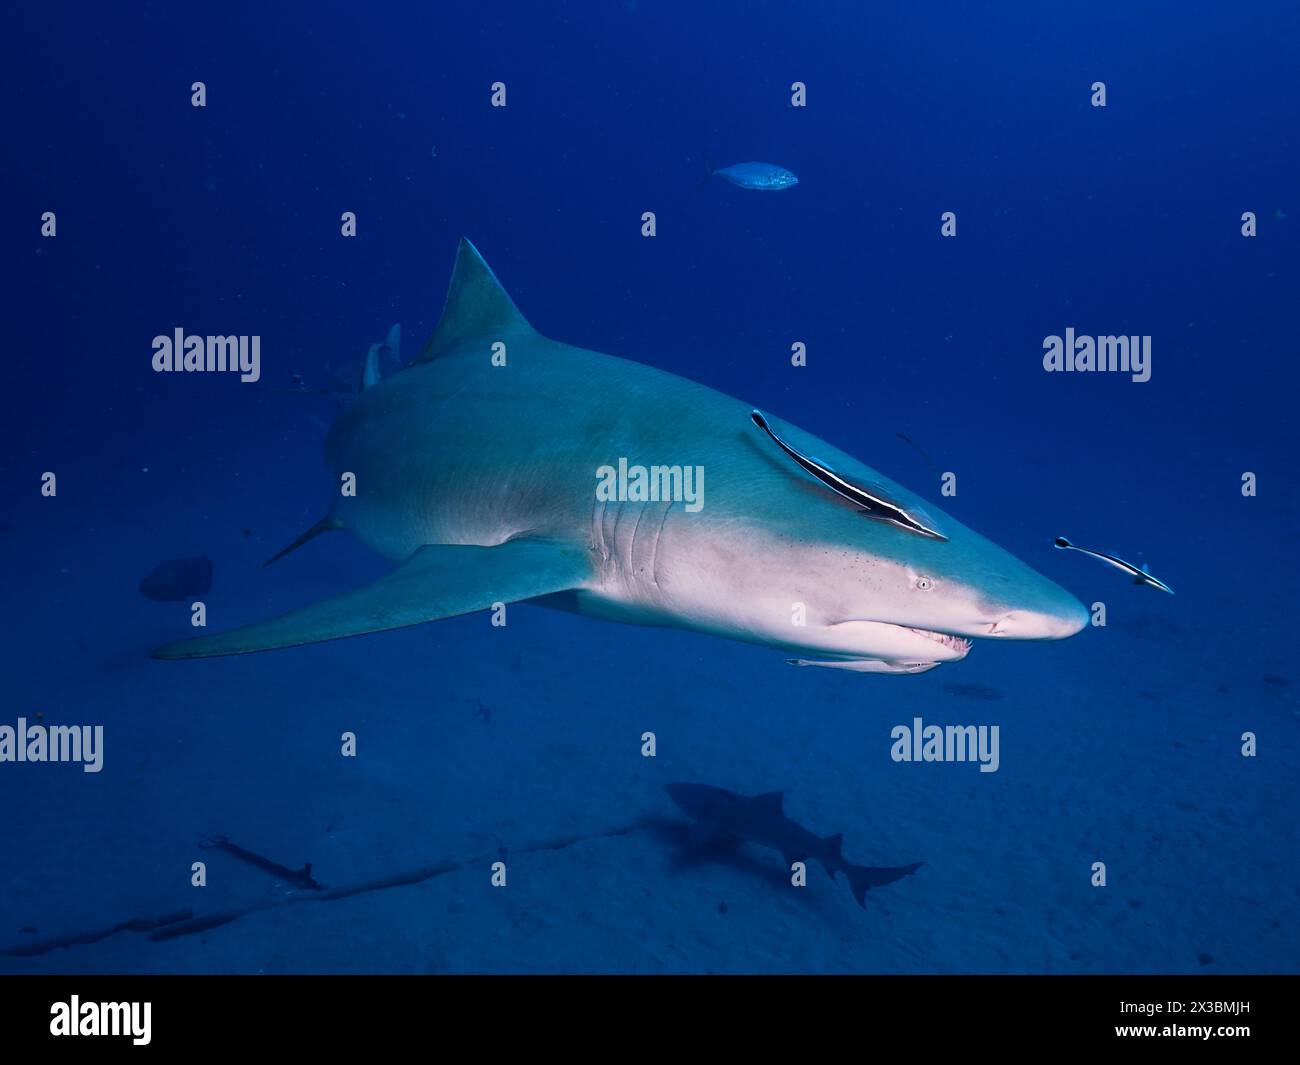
(1034, 625)
(1007, 624)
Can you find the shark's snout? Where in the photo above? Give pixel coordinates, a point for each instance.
(1039, 625)
(1025, 624)
(1015, 602)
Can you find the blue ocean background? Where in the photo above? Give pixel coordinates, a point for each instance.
(1121, 745)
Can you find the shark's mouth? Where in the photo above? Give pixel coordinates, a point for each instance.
(882, 647)
(859, 638)
(945, 639)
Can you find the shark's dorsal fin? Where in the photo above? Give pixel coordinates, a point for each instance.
(771, 801)
(477, 306)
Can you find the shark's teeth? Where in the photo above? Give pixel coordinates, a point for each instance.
(956, 643)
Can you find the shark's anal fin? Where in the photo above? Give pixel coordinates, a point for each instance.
(437, 581)
(477, 307)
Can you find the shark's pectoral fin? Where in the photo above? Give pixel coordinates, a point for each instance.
(437, 581)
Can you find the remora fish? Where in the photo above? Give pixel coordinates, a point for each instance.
(720, 815)
(766, 177)
(300, 877)
(480, 481)
(1140, 576)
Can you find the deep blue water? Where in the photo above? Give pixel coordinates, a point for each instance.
(1121, 745)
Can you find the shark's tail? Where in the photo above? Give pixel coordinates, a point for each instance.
(708, 167)
(862, 878)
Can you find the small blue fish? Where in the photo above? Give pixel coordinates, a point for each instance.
(767, 177)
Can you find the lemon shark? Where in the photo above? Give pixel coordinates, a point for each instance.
(722, 816)
(476, 469)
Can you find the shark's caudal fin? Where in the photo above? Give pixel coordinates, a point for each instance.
(477, 306)
(437, 581)
(862, 878)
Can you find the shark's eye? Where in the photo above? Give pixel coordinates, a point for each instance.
(924, 583)
(872, 501)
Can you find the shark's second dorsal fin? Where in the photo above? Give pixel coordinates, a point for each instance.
(477, 306)
(370, 369)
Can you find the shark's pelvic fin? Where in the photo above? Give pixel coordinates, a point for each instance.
(327, 524)
(437, 581)
(477, 307)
